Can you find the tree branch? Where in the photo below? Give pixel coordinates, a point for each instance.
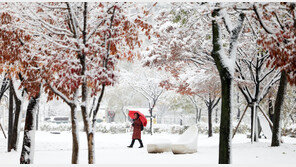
(60, 94)
(259, 16)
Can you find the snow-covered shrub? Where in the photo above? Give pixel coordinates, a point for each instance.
(55, 127)
(289, 131)
(112, 127)
(243, 128)
(164, 128)
(104, 127)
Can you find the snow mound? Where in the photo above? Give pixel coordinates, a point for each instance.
(159, 146)
(187, 142)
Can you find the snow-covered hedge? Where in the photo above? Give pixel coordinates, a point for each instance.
(157, 128)
(126, 127)
(290, 131)
(112, 127)
(55, 127)
(163, 128)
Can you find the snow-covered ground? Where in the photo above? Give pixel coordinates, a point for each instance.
(111, 149)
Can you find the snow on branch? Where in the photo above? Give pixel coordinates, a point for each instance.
(266, 74)
(227, 21)
(268, 86)
(229, 62)
(259, 16)
(60, 94)
(51, 7)
(74, 22)
(234, 36)
(16, 84)
(94, 30)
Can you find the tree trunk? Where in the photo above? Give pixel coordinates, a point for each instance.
(27, 154)
(4, 87)
(254, 123)
(196, 115)
(199, 115)
(238, 109)
(226, 86)
(75, 140)
(151, 116)
(15, 133)
(225, 122)
(216, 119)
(91, 148)
(276, 130)
(86, 121)
(2, 130)
(210, 131)
(37, 118)
(10, 118)
(89, 135)
(270, 110)
(238, 114)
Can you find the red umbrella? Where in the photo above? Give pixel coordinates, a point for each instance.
(142, 116)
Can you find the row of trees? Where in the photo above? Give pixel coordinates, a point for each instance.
(70, 51)
(240, 40)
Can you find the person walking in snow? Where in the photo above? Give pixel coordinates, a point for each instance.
(138, 127)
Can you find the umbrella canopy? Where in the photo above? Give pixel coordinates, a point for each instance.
(142, 117)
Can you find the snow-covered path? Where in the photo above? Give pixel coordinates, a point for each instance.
(111, 149)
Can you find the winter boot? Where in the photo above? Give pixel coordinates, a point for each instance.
(141, 143)
(132, 144)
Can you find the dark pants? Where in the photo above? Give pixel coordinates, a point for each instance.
(133, 142)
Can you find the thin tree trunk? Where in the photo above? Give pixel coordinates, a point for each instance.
(75, 130)
(270, 110)
(75, 140)
(151, 121)
(10, 117)
(216, 119)
(27, 154)
(196, 115)
(238, 109)
(87, 127)
(291, 117)
(89, 135)
(276, 130)
(210, 131)
(37, 118)
(91, 147)
(2, 131)
(254, 123)
(256, 137)
(199, 115)
(86, 121)
(15, 133)
(4, 87)
(238, 114)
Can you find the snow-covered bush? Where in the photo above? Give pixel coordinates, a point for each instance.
(289, 131)
(55, 127)
(164, 128)
(114, 128)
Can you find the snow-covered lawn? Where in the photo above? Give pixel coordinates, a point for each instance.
(111, 149)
